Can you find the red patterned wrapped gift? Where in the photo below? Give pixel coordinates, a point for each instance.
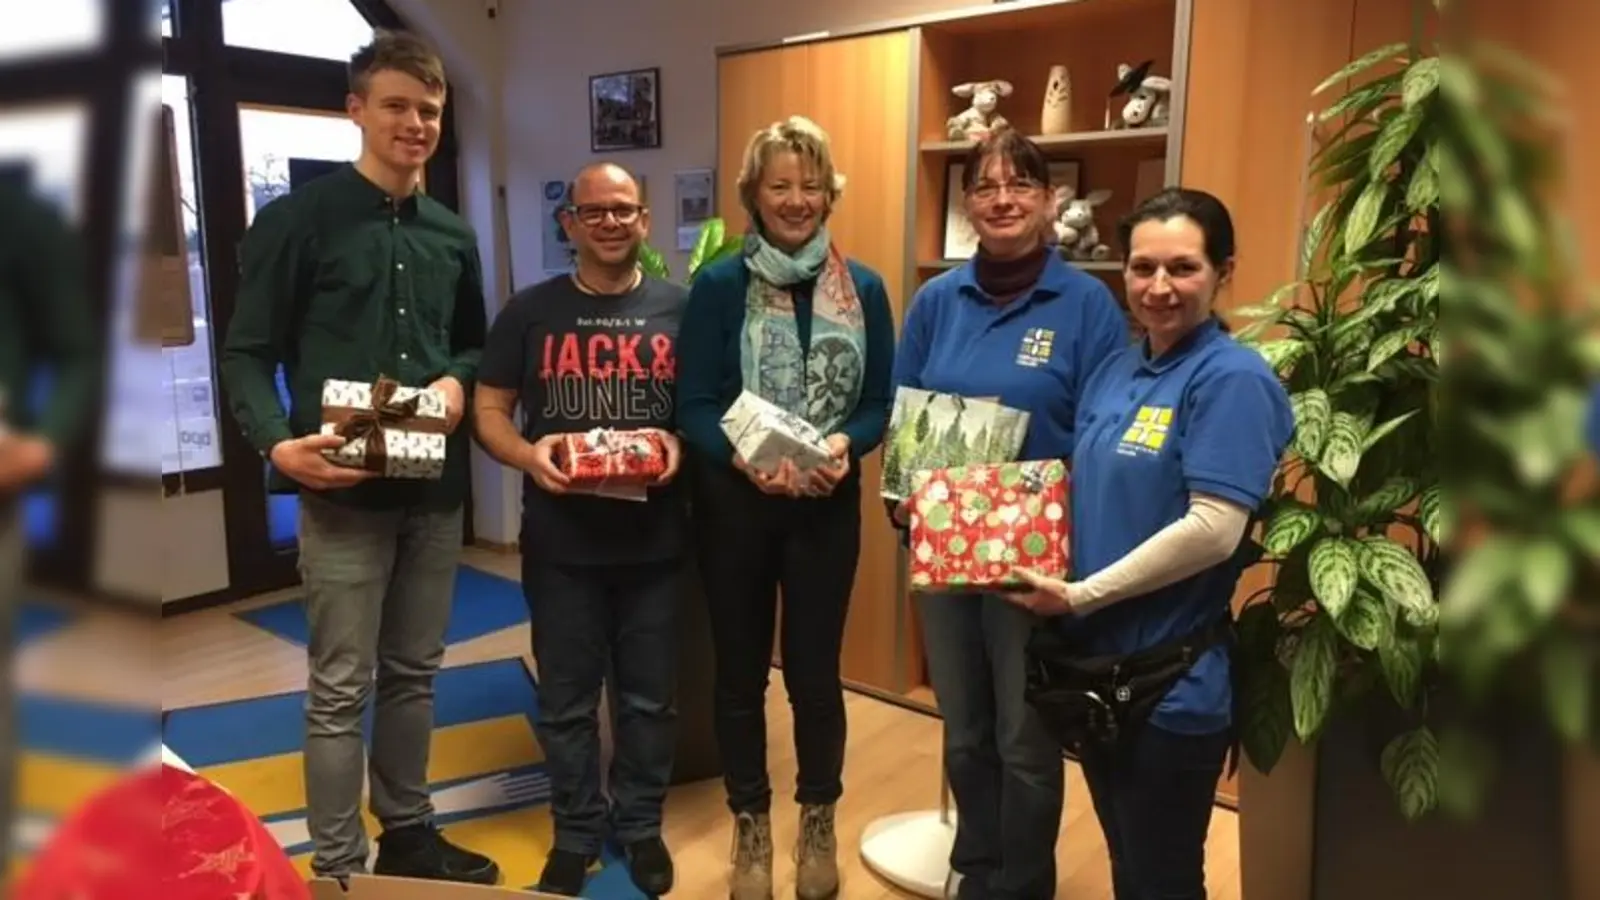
(609, 458)
(162, 834)
(971, 525)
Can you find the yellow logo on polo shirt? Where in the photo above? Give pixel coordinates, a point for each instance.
(1036, 346)
(1149, 429)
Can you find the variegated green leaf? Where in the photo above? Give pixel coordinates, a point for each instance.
(1392, 141)
(1367, 621)
(1569, 677)
(1315, 234)
(1378, 297)
(1363, 221)
(1546, 577)
(1420, 82)
(1311, 677)
(1341, 455)
(1390, 52)
(1334, 569)
(1422, 191)
(1390, 496)
(1410, 765)
(1289, 527)
(1390, 343)
(1479, 578)
(1312, 411)
(1266, 715)
(1396, 573)
(1282, 354)
(1384, 429)
(1400, 658)
(1428, 511)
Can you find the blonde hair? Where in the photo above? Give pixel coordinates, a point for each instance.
(798, 135)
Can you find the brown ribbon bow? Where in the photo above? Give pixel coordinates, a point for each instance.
(371, 423)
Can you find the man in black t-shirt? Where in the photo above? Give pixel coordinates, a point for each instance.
(589, 350)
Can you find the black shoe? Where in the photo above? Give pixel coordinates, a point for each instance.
(651, 866)
(564, 873)
(420, 851)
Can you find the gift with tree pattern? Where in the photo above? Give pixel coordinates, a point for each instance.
(972, 525)
(932, 430)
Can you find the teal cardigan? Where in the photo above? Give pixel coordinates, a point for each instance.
(710, 377)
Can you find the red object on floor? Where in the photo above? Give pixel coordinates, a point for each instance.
(603, 458)
(162, 834)
(972, 525)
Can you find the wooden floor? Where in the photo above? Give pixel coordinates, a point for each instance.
(891, 764)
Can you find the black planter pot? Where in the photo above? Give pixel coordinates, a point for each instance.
(1364, 849)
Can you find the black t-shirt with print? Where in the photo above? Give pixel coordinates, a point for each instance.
(580, 361)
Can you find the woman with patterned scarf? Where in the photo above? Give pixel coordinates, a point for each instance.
(796, 323)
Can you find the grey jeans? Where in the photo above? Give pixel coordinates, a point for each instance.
(378, 588)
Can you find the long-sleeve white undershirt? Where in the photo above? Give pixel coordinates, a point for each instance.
(1208, 534)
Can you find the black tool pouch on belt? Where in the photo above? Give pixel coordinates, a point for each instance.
(1100, 702)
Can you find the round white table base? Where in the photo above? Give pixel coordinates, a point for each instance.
(911, 850)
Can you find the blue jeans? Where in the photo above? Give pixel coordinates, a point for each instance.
(1154, 801)
(592, 624)
(1006, 773)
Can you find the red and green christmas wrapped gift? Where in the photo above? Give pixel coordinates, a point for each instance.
(606, 458)
(972, 525)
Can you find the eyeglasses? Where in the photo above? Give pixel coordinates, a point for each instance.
(591, 215)
(989, 190)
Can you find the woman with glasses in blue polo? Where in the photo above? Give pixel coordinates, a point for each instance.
(1178, 438)
(1019, 323)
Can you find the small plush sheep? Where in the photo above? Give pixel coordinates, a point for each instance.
(1074, 224)
(977, 121)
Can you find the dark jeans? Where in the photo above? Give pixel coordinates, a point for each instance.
(1154, 802)
(590, 624)
(751, 545)
(1006, 773)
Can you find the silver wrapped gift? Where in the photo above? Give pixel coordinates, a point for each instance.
(398, 432)
(765, 435)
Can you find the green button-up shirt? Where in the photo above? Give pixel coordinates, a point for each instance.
(46, 322)
(340, 280)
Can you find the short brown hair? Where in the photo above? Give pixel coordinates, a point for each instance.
(1010, 146)
(399, 51)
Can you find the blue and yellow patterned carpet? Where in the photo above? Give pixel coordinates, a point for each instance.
(487, 770)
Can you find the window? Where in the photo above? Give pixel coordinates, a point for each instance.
(186, 404)
(48, 29)
(166, 18)
(44, 147)
(327, 29)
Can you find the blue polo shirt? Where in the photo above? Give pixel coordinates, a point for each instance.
(1209, 416)
(1034, 353)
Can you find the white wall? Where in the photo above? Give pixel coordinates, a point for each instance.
(532, 63)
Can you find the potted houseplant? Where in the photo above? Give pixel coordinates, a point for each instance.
(712, 243)
(1349, 648)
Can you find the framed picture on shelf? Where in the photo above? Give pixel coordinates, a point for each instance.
(960, 241)
(625, 110)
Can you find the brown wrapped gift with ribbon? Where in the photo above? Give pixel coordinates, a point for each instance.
(396, 431)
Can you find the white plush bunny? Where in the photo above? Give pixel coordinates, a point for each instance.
(1074, 224)
(1147, 103)
(977, 121)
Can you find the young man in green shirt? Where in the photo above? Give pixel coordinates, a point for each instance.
(353, 275)
(46, 322)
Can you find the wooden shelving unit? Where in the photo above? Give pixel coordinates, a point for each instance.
(883, 92)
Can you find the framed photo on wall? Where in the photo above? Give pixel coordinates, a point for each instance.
(625, 110)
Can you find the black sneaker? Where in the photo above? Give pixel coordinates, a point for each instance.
(420, 851)
(564, 873)
(651, 866)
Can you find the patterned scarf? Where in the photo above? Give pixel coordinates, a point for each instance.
(822, 383)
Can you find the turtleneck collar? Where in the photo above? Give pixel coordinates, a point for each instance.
(1004, 279)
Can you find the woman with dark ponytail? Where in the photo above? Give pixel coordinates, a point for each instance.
(1177, 440)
